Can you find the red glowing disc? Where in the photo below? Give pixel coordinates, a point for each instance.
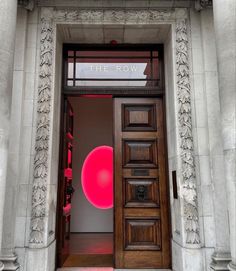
(97, 177)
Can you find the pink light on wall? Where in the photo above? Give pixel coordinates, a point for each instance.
(97, 177)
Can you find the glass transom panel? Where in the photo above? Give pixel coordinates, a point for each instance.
(112, 68)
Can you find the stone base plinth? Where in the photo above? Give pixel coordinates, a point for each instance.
(9, 262)
(220, 261)
(232, 267)
(42, 259)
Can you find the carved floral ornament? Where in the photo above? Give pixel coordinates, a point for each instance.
(117, 16)
(189, 190)
(41, 158)
(49, 18)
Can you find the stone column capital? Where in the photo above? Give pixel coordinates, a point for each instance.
(27, 4)
(201, 4)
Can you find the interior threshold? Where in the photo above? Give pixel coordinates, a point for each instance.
(90, 249)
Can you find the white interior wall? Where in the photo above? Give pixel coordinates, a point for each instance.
(93, 127)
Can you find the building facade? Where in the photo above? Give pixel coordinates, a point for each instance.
(199, 39)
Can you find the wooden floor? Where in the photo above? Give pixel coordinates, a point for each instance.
(90, 249)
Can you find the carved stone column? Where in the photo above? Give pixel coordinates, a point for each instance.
(8, 11)
(225, 30)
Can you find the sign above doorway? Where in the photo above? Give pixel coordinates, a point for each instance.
(104, 67)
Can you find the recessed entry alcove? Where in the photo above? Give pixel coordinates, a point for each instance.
(123, 109)
(123, 34)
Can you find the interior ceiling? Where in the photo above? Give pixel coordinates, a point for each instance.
(122, 34)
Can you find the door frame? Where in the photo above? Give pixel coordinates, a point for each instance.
(162, 97)
(124, 92)
(60, 186)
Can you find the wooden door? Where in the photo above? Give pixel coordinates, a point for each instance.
(142, 238)
(65, 189)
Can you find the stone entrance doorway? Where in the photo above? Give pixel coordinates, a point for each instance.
(59, 26)
(140, 184)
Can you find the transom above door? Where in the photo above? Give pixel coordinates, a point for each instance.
(103, 69)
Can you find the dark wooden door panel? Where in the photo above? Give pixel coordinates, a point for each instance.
(139, 117)
(142, 234)
(140, 153)
(144, 259)
(142, 237)
(141, 193)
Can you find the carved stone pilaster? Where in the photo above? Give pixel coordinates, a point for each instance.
(41, 160)
(188, 188)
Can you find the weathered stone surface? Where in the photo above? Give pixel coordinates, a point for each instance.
(193, 116)
(7, 36)
(225, 29)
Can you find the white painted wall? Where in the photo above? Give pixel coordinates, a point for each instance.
(92, 128)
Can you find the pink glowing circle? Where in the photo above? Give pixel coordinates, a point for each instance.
(97, 177)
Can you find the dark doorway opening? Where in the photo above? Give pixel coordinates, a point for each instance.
(89, 227)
